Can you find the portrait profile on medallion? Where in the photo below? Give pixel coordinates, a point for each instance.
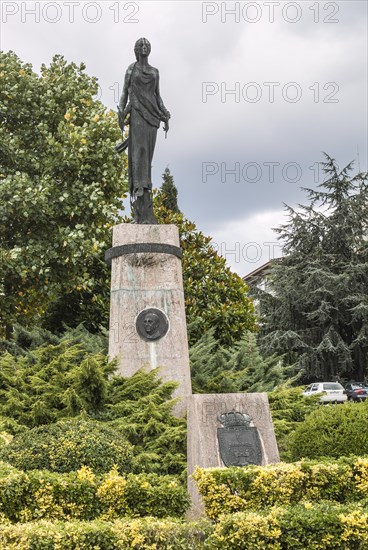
(152, 324)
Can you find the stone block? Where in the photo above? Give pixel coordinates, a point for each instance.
(204, 411)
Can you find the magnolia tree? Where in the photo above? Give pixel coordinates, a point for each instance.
(215, 297)
(61, 184)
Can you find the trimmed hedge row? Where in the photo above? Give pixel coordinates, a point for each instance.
(139, 533)
(229, 490)
(324, 526)
(81, 495)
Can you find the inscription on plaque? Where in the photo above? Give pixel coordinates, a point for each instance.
(239, 443)
(152, 324)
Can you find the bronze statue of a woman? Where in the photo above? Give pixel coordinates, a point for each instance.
(143, 113)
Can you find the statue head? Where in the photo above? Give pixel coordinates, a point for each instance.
(142, 47)
(151, 322)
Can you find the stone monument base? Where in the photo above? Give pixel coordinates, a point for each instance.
(147, 288)
(206, 414)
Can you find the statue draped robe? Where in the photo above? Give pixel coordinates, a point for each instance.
(146, 110)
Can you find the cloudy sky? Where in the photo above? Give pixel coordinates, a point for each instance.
(256, 90)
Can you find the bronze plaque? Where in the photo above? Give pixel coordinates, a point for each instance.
(239, 443)
(152, 324)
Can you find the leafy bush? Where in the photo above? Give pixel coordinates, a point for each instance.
(217, 369)
(320, 527)
(45, 378)
(289, 408)
(37, 495)
(68, 445)
(34, 495)
(336, 432)
(229, 490)
(118, 535)
(51, 382)
(324, 526)
(140, 406)
(142, 495)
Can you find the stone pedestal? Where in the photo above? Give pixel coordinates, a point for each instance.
(203, 422)
(146, 273)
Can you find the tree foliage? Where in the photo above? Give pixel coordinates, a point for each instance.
(240, 368)
(168, 192)
(317, 308)
(215, 297)
(52, 381)
(60, 183)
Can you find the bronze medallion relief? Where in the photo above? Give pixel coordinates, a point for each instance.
(152, 324)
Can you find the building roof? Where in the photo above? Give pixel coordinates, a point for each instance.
(260, 272)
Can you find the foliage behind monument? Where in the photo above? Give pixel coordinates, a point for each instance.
(168, 192)
(317, 308)
(60, 189)
(215, 297)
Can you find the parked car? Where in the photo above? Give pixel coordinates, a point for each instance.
(332, 392)
(356, 391)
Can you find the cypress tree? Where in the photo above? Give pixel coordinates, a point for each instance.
(169, 192)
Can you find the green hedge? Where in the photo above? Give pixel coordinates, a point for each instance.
(68, 445)
(332, 432)
(229, 490)
(34, 495)
(140, 533)
(323, 526)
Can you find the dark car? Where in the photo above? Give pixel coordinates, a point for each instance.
(356, 391)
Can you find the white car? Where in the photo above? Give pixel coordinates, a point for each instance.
(332, 392)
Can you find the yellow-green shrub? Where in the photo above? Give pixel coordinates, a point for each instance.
(29, 496)
(321, 526)
(46, 535)
(142, 495)
(69, 444)
(147, 533)
(35, 495)
(229, 490)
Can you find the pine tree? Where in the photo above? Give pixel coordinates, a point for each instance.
(317, 308)
(45, 378)
(169, 192)
(252, 372)
(240, 368)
